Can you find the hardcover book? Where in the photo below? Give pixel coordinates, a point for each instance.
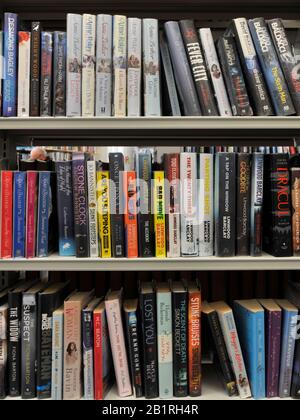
(31, 213)
(130, 214)
(295, 198)
(104, 66)
(44, 211)
(256, 212)
(19, 209)
(194, 340)
(10, 41)
(134, 67)
(88, 65)
(59, 73)
(92, 206)
(159, 214)
(243, 203)
(104, 213)
(57, 354)
(46, 74)
(119, 65)
(35, 63)
(6, 211)
(24, 74)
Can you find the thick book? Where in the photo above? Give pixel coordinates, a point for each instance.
(10, 66)
(225, 204)
(24, 74)
(44, 210)
(183, 75)
(80, 205)
(119, 66)
(159, 213)
(35, 65)
(92, 206)
(74, 64)
(256, 211)
(130, 214)
(6, 213)
(88, 64)
(194, 340)
(243, 202)
(57, 354)
(117, 341)
(104, 66)
(31, 213)
(147, 302)
(130, 307)
(19, 213)
(250, 321)
(59, 74)
(134, 67)
(46, 74)
(279, 92)
(104, 213)
(295, 208)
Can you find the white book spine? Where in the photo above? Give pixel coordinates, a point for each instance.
(120, 64)
(57, 356)
(104, 66)
(206, 203)
(134, 70)
(74, 65)
(88, 64)
(188, 204)
(215, 71)
(24, 74)
(92, 200)
(152, 100)
(245, 38)
(1, 67)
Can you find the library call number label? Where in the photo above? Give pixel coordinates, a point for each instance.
(152, 409)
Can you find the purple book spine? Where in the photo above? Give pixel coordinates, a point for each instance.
(273, 329)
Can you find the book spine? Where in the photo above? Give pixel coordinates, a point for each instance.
(130, 214)
(194, 343)
(104, 213)
(98, 351)
(206, 204)
(243, 200)
(198, 67)
(57, 357)
(74, 64)
(116, 165)
(134, 67)
(260, 358)
(88, 65)
(1, 68)
(35, 69)
(119, 65)
(10, 65)
(257, 87)
(257, 192)
(24, 74)
(19, 210)
(3, 368)
(182, 72)
(93, 212)
(273, 353)
(6, 249)
(80, 206)
(215, 71)
(44, 199)
(31, 211)
(295, 390)
(274, 77)
(188, 203)
(104, 66)
(159, 214)
(88, 354)
(59, 73)
(295, 187)
(134, 352)
(46, 74)
(14, 343)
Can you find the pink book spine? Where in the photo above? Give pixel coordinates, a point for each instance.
(31, 213)
(116, 335)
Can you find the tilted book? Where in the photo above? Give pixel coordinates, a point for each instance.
(10, 49)
(59, 73)
(159, 213)
(19, 209)
(46, 74)
(35, 73)
(119, 65)
(134, 67)
(92, 206)
(24, 74)
(88, 64)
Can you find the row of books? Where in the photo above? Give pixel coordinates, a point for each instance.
(104, 65)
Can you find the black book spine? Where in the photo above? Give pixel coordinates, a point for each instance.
(59, 73)
(80, 206)
(243, 202)
(35, 69)
(256, 212)
(180, 353)
(46, 74)
(14, 343)
(134, 352)
(198, 67)
(234, 78)
(149, 337)
(225, 202)
(295, 389)
(116, 166)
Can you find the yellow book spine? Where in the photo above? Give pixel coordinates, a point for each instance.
(159, 214)
(103, 213)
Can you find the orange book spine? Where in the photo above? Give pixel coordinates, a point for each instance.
(98, 368)
(194, 343)
(130, 214)
(6, 214)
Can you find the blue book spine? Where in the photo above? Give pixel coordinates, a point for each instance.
(10, 65)
(260, 360)
(44, 199)
(19, 214)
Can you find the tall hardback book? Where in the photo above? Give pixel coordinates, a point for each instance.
(250, 321)
(59, 74)
(256, 212)
(279, 92)
(88, 64)
(103, 206)
(295, 207)
(225, 204)
(130, 307)
(73, 305)
(288, 342)
(24, 74)
(243, 202)
(74, 64)
(288, 59)
(6, 212)
(10, 69)
(211, 317)
(180, 339)
(35, 73)
(80, 205)
(198, 67)
(119, 65)
(117, 340)
(31, 213)
(232, 341)
(215, 71)
(46, 74)
(147, 302)
(159, 214)
(104, 65)
(273, 319)
(257, 88)
(277, 206)
(134, 67)
(183, 75)
(57, 354)
(116, 166)
(130, 214)
(92, 206)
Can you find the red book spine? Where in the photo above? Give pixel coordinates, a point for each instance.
(31, 209)
(194, 343)
(6, 213)
(98, 369)
(130, 214)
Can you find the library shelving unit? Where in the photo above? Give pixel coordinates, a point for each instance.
(164, 131)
